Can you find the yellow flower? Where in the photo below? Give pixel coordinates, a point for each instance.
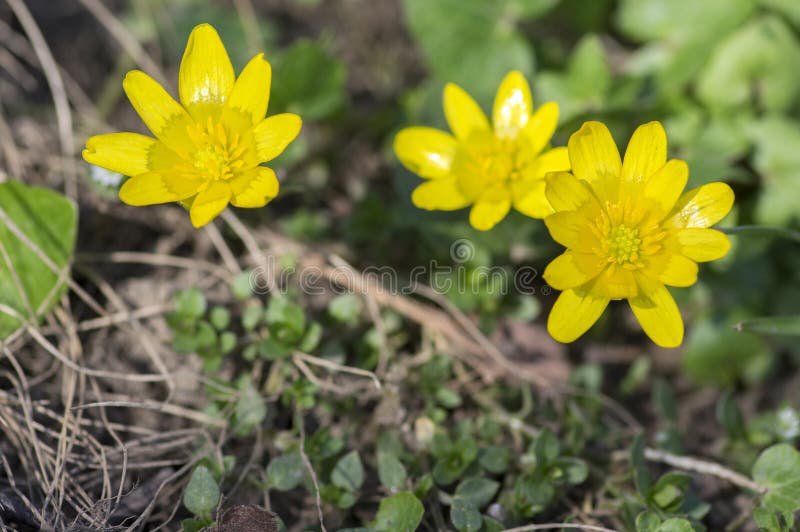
(490, 167)
(629, 231)
(207, 148)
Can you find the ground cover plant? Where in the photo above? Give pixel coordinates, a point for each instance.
(396, 265)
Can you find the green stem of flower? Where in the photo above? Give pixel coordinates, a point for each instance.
(762, 230)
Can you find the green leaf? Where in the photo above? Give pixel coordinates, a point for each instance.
(219, 317)
(345, 308)
(583, 86)
(391, 471)
(461, 37)
(287, 320)
(242, 286)
(767, 519)
(778, 161)
(495, 458)
(465, 516)
(648, 521)
(528, 9)
(546, 447)
(778, 470)
(348, 473)
(286, 472)
(311, 338)
(49, 221)
(399, 513)
(676, 524)
(754, 65)
(312, 81)
(448, 398)
(646, 20)
(573, 471)
(680, 50)
(202, 493)
(719, 355)
(777, 325)
(789, 8)
(250, 411)
(667, 493)
(533, 494)
(227, 342)
(478, 491)
(252, 316)
(190, 303)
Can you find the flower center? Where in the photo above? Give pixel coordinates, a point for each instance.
(499, 166)
(219, 153)
(623, 244)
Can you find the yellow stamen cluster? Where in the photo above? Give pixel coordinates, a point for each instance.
(219, 153)
(623, 245)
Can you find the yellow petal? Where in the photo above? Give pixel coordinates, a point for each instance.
(439, 195)
(703, 245)
(529, 198)
(254, 188)
(210, 202)
(273, 134)
(491, 207)
(703, 206)
(615, 282)
(206, 74)
(126, 153)
(464, 115)
(425, 151)
(570, 270)
(593, 155)
(160, 112)
(574, 313)
(250, 93)
(540, 128)
(657, 313)
(678, 270)
(528, 192)
(646, 153)
(555, 160)
(565, 227)
(512, 105)
(151, 188)
(567, 193)
(666, 185)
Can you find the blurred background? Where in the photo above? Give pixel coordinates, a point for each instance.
(722, 76)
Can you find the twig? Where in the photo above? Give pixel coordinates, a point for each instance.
(54, 81)
(554, 526)
(337, 367)
(687, 463)
(222, 248)
(155, 259)
(307, 462)
(166, 408)
(384, 351)
(125, 38)
(256, 254)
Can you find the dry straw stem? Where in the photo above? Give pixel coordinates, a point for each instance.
(688, 463)
(560, 526)
(56, 83)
